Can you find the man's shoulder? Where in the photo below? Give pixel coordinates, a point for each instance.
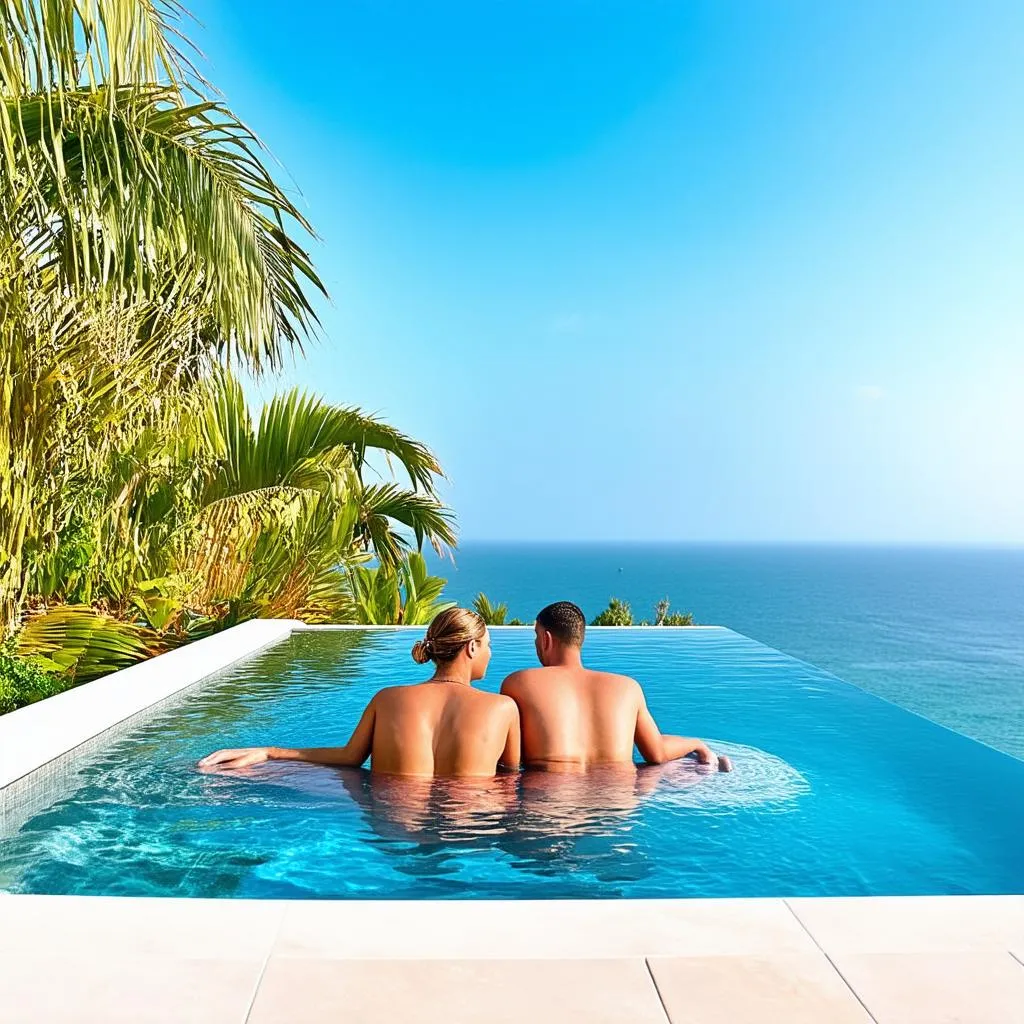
(524, 677)
(611, 677)
(614, 680)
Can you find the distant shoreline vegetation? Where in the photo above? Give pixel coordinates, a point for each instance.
(618, 613)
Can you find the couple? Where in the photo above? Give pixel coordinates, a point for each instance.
(560, 717)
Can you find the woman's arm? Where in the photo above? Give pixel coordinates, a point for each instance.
(353, 754)
(510, 756)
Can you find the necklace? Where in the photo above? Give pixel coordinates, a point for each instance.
(446, 679)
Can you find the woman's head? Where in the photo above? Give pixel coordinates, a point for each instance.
(454, 635)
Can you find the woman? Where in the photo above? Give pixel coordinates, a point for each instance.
(441, 727)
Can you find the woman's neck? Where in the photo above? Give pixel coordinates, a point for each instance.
(453, 672)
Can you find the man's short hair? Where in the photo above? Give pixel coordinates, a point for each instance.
(564, 621)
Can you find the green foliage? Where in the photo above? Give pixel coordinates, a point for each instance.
(145, 250)
(24, 682)
(677, 619)
(492, 614)
(81, 642)
(142, 243)
(403, 595)
(618, 613)
(664, 617)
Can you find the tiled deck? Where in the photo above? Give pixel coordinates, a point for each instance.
(821, 961)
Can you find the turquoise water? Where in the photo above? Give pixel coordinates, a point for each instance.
(937, 630)
(835, 792)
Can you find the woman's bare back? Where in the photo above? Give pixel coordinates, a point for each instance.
(442, 729)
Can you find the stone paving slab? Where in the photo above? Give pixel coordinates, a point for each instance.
(937, 988)
(533, 929)
(890, 961)
(799, 988)
(93, 988)
(902, 924)
(295, 991)
(115, 926)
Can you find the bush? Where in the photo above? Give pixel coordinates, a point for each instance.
(663, 617)
(618, 613)
(678, 619)
(22, 682)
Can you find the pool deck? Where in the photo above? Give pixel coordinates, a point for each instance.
(820, 961)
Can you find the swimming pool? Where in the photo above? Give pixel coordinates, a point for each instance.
(835, 792)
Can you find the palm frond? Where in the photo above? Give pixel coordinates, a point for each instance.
(55, 47)
(426, 517)
(83, 642)
(130, 190)
(492, 614)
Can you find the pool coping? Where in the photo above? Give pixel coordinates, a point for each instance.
(854, 960)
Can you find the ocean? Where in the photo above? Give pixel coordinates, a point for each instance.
(939, 631)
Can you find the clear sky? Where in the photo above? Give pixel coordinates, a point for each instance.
(665, 270)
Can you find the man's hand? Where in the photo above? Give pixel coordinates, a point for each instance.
(240, 758)
(705, 755)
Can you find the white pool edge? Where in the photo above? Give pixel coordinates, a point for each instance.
(41, 733)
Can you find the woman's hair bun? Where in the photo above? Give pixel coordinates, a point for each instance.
(448, 634)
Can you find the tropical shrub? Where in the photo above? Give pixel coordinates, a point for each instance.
(618, 613)
(664, 617)
(23, 682)
(492, 614)
(406, 595)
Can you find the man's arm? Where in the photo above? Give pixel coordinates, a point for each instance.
(657, 748)
(511, 756)
(353, 754)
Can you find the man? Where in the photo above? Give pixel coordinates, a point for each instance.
(442, 727)
(572, 718)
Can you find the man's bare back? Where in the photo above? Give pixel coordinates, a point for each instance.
(442, 727)
(572, 717)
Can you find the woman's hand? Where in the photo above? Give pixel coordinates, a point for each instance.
(239, 758)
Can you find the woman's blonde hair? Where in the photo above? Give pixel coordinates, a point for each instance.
(450, 631)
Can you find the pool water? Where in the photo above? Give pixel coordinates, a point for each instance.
(834, 792)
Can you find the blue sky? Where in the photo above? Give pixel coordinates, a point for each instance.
(665, 270)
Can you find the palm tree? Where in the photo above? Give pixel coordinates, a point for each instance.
(142, 240)
(228, 519)
(492, 614)
(145, 250)
(117, 174)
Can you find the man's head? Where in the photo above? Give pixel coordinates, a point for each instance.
(559, 626)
